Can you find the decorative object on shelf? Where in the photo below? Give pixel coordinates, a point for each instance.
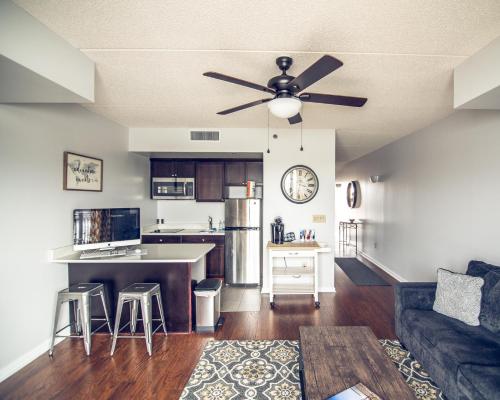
(299, 184)
(287, 99)
(82, 172)
(353, 194)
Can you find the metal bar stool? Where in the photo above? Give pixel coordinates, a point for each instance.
(133, 294)
(80, 295)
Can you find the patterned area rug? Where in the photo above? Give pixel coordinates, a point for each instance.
(416, 377)
(268, 369)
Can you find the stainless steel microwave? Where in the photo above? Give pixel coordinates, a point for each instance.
(173, 188)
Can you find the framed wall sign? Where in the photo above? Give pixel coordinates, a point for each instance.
(82, 172)
(299, 184)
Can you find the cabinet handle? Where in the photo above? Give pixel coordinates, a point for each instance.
(297, 276)
(161, 240)
(202, 240)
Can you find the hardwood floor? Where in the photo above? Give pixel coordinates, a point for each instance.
(130, 373)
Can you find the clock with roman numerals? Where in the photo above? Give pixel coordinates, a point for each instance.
(299, 184)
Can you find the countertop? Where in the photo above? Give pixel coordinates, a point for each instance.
(156, 253)
(182, 232)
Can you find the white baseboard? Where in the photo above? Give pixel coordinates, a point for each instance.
(26, 358)
(383, 267)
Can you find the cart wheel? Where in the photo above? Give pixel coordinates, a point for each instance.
(272, 305)
(316, 304)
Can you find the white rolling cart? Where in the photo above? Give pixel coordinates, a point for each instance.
(293, 269)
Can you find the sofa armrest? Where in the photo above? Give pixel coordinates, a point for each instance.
(412, 295)
(415, 295)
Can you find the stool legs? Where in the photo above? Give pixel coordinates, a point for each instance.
(146, 309)
(86, 323)
(133, 315)
(160, 307)
(117, 322)
(104, 305)
(56, 320)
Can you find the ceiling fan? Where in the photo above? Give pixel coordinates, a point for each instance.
(287, 100)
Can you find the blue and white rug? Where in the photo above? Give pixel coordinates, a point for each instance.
(269, 369)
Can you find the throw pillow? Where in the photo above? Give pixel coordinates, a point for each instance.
(458, 296)
(490, 304)
(480, 268)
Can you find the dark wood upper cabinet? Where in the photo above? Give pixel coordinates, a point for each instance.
(172, 169)
(235, 173)
(255, 171)
(239, 172)
(209, 181)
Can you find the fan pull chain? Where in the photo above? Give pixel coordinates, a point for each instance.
(268, 151)
(301, 147)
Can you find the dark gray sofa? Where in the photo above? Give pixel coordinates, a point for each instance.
(463, 360)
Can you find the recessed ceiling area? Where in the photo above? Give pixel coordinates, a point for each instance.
(150, 57)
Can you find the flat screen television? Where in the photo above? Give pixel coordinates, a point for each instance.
(101, 228)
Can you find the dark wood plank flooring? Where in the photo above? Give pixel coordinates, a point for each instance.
(132, 374)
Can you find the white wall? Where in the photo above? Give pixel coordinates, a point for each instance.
(439, 204)
(36, 214)
(319, 154)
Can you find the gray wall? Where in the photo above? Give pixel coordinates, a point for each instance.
(36, 214)
(439, 203)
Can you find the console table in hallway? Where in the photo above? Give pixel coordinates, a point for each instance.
(345, 228)
(335, 358)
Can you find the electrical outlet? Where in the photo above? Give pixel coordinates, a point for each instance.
(319, 218)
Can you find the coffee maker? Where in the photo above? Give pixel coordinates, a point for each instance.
(277, 231)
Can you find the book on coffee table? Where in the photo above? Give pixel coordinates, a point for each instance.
(357, 392)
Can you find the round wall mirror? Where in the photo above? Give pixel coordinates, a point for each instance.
(353, 194)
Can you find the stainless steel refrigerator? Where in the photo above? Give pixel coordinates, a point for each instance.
(243, 241)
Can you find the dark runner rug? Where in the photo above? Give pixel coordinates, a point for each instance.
(269, 369)
(359, 273)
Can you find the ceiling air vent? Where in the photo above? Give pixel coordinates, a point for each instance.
(211, 136)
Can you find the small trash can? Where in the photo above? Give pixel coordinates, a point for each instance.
(207, 294)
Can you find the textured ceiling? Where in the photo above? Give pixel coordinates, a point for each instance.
(150, 56)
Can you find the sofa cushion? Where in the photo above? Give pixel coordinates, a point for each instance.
(479, 382)
(490, 303)
(480, 268)
(459, 296)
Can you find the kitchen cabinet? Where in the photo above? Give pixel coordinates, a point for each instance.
(209, 181)
(158, 239)
(255, 171)
(237, 173)
(172, 168)
(214, 259)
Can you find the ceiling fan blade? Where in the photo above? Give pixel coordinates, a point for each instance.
(243, 106)
(237, 81)
(315, 72)
(295, 119)
(333, 99)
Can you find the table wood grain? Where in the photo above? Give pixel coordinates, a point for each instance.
(337, 357)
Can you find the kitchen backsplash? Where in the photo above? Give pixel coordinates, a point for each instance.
(189, 212)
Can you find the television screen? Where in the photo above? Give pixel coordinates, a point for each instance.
(94, 228)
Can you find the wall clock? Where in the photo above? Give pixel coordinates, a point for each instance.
(353, 194)
(299, 184)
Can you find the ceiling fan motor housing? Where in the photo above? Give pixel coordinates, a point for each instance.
(280, 83)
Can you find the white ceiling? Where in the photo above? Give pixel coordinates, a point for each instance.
(150, 56)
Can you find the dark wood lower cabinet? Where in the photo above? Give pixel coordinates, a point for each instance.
(214, 260)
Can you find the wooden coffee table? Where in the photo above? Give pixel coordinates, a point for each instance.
(334, 358)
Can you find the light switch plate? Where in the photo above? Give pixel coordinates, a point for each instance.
(319, 218)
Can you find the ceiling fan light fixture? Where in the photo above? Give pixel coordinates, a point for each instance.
(284, 107)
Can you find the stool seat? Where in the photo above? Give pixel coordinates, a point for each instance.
(141, 288)
(135, 294)
(80, 296)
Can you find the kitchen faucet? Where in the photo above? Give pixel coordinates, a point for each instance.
(210, 223)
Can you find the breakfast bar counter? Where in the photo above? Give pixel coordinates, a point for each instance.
(176, 267)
